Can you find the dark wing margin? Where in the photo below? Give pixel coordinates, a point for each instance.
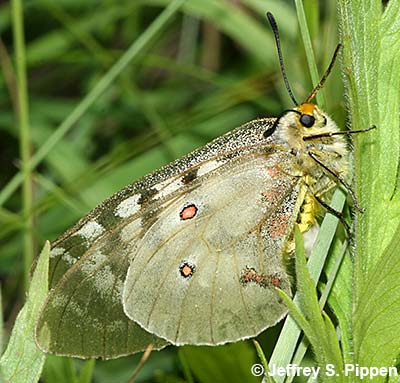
(83, 316)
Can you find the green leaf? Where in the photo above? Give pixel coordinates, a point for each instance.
(228, 363)
(377, 316)
(371, 58)
(308, 300)
(23, 361)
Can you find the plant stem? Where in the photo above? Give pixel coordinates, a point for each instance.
(24, 135)
(312, 66)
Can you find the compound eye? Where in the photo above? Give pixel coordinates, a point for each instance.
(307, 120)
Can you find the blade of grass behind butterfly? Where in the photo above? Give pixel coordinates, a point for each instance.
(267, 377)
(312, 66)
(235, 23)
(317, 326)
(132, 52)
(288, 338)
(285, 12)
(24, 129)
(303, 345)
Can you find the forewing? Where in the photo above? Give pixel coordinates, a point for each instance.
(208, 275)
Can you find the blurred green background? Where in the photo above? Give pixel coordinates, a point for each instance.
(213, 68)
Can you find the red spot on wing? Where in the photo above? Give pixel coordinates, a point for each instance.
(186, 271)
(249, 274)
(277, 228)
(275, 281)
(188, 212)
(273, 171)
(274, 194)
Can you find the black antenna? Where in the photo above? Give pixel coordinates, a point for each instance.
(340, 133)
(274, 27)
(326, 74)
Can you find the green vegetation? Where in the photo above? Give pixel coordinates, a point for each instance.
(110, 99)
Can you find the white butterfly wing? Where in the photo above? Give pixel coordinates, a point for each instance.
(206, 269)
(83, 314)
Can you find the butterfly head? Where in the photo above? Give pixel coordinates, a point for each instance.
(306, 120)
(311, 120)
(307, 117)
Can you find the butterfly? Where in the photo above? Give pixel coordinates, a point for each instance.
(193, 253)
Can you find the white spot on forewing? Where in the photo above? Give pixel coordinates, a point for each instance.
(208, 167)
(93, 262)
(163, 184)
(166, 190)
(105, 283)
(90, 230)
(56, 252)
(67, 258)
(128, 206)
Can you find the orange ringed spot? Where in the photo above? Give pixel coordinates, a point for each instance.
(187, 269)
(188, 212)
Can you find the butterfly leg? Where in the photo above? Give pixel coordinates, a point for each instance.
(339, 178)
(339, 215)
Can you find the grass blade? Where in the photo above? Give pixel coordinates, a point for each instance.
(24, 135)
(146, 38)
